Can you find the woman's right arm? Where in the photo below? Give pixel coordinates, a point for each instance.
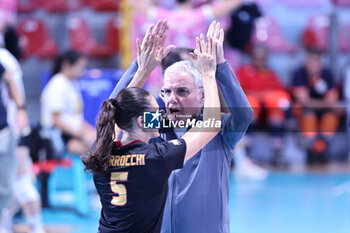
(151, 52)
(139, 70)
(205, 62)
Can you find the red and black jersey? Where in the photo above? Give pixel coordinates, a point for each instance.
(134, 191)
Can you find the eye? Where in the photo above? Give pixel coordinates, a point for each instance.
(182, 92)
(167, 91)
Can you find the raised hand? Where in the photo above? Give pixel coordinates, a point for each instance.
(162, 29)
(216, 32)
(205, 56)
(147, 52)
(152, 50)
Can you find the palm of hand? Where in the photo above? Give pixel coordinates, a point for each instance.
(205, 63)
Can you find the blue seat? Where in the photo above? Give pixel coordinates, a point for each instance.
(68, 186)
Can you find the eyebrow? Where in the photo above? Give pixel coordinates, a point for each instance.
(175, 87)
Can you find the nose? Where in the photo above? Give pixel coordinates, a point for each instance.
(172, 97)
(171, 101)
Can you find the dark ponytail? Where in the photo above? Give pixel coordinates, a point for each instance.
(96, 161)
(70, 56)
(123, 110)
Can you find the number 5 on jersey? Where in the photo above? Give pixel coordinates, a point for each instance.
(118, 188)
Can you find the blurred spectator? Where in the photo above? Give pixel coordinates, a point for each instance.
(7, 156)
(8, 12)
(11, 41)
(12, 65)
(346, 93)
(186, 21)
(266, 95)
(193, 20)
(346, 86)
(25, 191)
(242, 23)
(62, 104)
(316, 103)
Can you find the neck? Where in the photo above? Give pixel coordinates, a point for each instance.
(130, 137)
(66, 74)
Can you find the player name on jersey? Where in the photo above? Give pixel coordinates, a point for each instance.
(127, 160)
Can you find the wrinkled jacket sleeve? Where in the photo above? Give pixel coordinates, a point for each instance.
(125, 79)
(235, 123)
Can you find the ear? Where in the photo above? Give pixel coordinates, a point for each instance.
(140, 121)
(201, 96)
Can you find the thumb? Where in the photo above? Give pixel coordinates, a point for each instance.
(160, 54)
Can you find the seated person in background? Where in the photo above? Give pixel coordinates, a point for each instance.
(317, 99)
(265, 92)
(62, 104)
(346, 84)
(346, 93)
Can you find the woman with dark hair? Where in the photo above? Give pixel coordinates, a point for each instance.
(62, 104)
(131, 175)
